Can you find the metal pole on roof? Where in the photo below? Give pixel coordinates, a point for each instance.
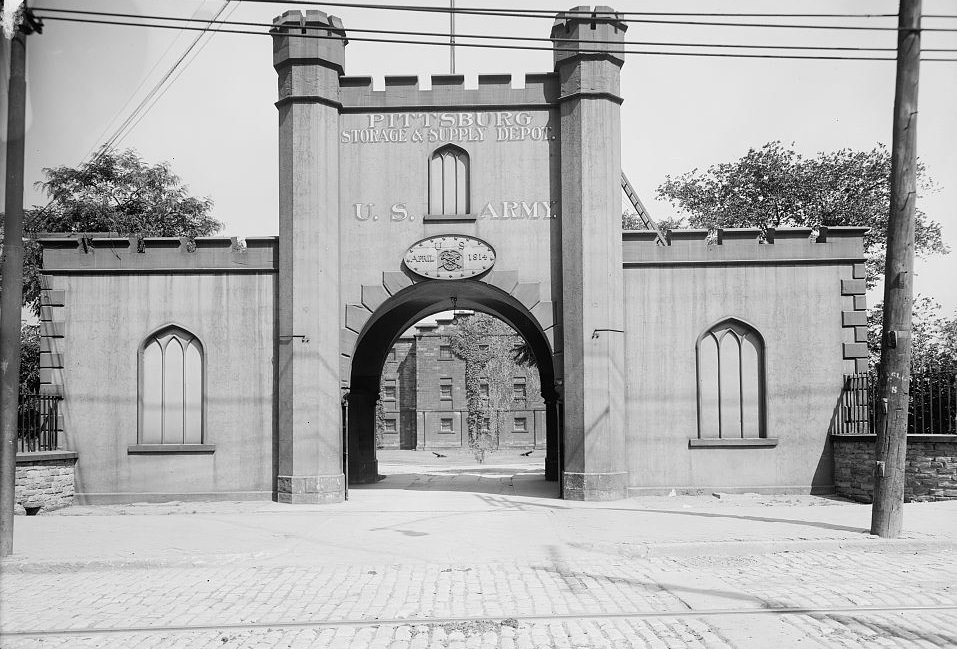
(452, 37)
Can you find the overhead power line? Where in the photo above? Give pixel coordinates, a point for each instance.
(624, 15)
(351, 30)
(159, 88)
(93, 147)
(407, 41)
(182, 69)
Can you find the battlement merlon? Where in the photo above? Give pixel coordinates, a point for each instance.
(448, 92)
(586, 33)
(81, 254)
(310, 37)
(745, 246)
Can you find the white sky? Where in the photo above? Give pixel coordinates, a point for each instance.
(218, 127)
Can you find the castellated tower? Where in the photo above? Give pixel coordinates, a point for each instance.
(309, 56)
(588, 59)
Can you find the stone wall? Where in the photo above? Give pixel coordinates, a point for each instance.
(931, 467)
(44, 480)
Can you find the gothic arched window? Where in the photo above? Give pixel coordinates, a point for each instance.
(449, 181)
(730, 381)
(171, 395)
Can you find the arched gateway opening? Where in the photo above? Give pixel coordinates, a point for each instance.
(396, 316)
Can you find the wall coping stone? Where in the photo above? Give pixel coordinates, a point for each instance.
(99, 254)
(872, 437)
(45, 456)
(742, 246)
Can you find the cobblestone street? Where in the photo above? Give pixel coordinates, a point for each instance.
(512, 572)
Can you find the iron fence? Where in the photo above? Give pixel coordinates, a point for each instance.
(38, 422)
(932, 409)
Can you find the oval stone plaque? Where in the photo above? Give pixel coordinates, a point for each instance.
(450, 256)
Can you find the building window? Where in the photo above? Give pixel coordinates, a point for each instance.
(486, 424)
(445, 353)
(388, 426)
(445, 391)
(445, 425)
(483, 348)
(391, 357)
(483, 389)
(521, 425)
(449, 181)
(171, 399)
(518, 388)
(388, 393)
(730, 382)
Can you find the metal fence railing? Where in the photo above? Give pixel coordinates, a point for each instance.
(932, 409)
(38, 422)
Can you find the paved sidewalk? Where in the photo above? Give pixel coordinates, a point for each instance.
(480, 556)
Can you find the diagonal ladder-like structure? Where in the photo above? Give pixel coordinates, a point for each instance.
(646, 219)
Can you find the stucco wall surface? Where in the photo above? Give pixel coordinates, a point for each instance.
(930, 470)
(106, 318)
(513, 189)
(796, 308)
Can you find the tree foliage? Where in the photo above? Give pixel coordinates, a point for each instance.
(119, 192)
(114, 192)
(933, 336)
(493, 353)
(775, 186)
(30, 358)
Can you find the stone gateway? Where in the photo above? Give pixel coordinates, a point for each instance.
(226, 369)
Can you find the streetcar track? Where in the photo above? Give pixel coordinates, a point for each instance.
(438, 621)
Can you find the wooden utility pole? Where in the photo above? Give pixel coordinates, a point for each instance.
(11, 290)
(893, 381)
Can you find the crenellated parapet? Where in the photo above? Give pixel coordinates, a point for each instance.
(448, 91)
(149, 255)
(587, 32)
(309, 37)
(744, 246)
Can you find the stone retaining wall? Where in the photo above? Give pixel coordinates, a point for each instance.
(931, 467)
(44, 480)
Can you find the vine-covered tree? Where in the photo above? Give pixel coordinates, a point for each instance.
(116, 191)
(493, 353)
(775, 186)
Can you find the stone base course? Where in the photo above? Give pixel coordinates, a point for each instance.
(931, 467)
(44, 479)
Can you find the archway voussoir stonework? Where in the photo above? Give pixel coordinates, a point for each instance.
(347, 341)
(394, 281)
(506, 280)
(544, 313)
(356, 317)
(528, 294)
(373, 296)
(345, 369)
